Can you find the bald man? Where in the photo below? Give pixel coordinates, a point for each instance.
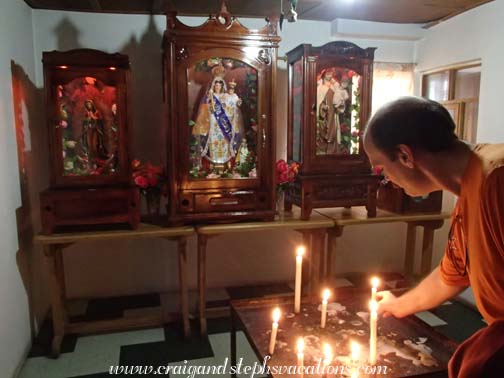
(413, 141)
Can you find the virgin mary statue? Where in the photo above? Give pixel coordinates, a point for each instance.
(217, 121)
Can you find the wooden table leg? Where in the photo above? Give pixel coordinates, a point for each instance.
(428, 243)
(410, 250)
(202, 243)
(233, 340)
(317, 252)
(59, 316)
(184, 302)
(332, 235)
(306, 273)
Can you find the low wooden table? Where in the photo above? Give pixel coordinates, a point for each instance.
(358, 215)
(407, 347)
(313, 231)
(53, 246)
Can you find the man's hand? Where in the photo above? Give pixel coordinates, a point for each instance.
(431, 292)
(388, 305)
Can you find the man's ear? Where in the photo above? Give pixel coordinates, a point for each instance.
(405, 155)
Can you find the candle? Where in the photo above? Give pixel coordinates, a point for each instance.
(300, 356)
(354, 351)
(299, 267)
(373, 326)
(328, 357)
(375, 282)
(274, 329)
(325, 296)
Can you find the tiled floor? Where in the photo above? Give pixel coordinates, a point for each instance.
(92, 356)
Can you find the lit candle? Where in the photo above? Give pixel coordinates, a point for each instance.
(274, 329)
(299, 268)
(354, 353)
(373, 327)
(325, 296)
(375, 282)
(300, 356)
(328, 357)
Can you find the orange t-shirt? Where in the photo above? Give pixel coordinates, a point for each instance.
(474, 254)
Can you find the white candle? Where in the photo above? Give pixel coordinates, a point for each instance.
(354, 356)
(328, 357)
(375, 282)
(274, 329)
(325, 296)
(373, 327)
(299, 268)
(300, 356)
(355, 351)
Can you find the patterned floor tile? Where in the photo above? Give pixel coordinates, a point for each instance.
(41, 345)
(462, 321)
(110, 308)
(429, 318)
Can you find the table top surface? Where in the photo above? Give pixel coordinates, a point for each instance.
(291, 221)
(144, 230)
(407, 347)
(358, 215)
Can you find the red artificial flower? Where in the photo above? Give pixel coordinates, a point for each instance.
(355, 133)
(142, 182)
(282, 166)
(152, 180)
(350, 74)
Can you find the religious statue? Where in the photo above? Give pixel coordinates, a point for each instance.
(219, 121)
(92, 138)
(331, 97)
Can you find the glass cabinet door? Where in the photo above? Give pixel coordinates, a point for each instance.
(337, 111)
(87, 127)
(297, 109)
(222, 113)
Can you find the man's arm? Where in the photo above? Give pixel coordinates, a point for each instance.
(431, 292)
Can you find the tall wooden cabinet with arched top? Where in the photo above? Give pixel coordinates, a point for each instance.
(329, 103)
(88, 121)
(219, 85)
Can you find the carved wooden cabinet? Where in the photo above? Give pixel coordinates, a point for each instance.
(219, 83)
(86, 102)
(329, 104)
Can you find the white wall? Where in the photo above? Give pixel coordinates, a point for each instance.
(118, 268)
(17, 46)
(476, 34)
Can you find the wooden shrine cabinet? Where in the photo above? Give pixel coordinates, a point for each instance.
(86, 101)
(219, 81)
(328, 106)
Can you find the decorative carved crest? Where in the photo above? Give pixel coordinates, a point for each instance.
(264, 56)
(344, 48)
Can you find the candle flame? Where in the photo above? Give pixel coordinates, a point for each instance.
(327, 353)
(375, 281)
(300, 251)
(373, 305)
(326, 294)
(276, 315)
(300, 345)
(355, 350)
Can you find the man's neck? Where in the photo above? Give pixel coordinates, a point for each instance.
(446, 169)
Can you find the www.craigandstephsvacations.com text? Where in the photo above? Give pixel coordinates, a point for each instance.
(250, 371)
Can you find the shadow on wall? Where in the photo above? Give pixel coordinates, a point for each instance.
(33, 173)
(148, 137)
